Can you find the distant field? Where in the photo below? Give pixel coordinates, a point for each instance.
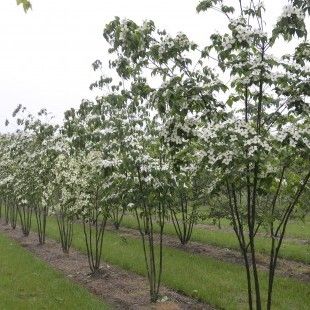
(299, 229)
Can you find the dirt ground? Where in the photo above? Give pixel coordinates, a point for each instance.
(117, 287)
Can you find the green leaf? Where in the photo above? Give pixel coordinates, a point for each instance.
(227, 9)
(204, 6)
(25, 3)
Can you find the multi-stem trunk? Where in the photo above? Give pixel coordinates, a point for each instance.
(238, 227)
(93, 232)
(184, 222)
(252, 191)
(41, 216)
(65, 226)
(117, 215)
(13, 215)
(153, 254)
(6, 213)
(277, 234)
(25, 214)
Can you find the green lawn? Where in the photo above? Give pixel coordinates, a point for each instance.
(290, 249)
(28, 283)
(299, 229)
(218, 283)
(295, 228)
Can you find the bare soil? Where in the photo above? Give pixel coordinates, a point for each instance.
(117, 287)
(288, 268)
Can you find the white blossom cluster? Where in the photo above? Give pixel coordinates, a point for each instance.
(167, 43)
(187, 125)
(294, 134)
(183, 41)
(228, 42)
(242, 33)
(231, 140)
(289, 10)
(123, 29)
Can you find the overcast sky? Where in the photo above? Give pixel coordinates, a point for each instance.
(46, 54)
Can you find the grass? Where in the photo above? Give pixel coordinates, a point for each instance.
(290, 248)
(218, 283)
(28, 283)
(298, 229)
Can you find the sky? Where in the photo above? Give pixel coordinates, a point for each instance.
(46, 54)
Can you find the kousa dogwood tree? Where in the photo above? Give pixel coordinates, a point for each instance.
(141, 181)
(35, 154)
(63, 192)
(89, 135)
(21, 185)
(7, 181)
(259, 155)
(183, 98)
(152, 182)
(254, 136)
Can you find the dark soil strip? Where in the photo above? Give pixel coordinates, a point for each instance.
(117, 287)
(288, 268)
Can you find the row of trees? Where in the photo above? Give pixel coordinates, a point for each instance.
(169, 150)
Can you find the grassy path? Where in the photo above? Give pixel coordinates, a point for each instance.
(28, 283)
(217, 283)
(295, 229)
(286, 268)
(290, 249)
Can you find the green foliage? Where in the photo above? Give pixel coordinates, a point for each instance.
(25, 3)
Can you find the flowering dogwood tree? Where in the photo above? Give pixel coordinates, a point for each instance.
(88, 133)
(160, 126)
(251, 138)
(7, 181)
(179, 103)
(35, 155)
(261, 152)
(63, 191)
(137, 181)
(21, 178)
